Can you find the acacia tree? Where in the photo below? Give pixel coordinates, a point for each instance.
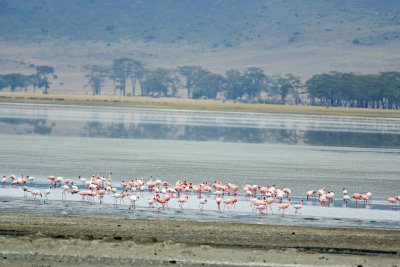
(121, 71)
(254, 82)
(96, 77)
(192, 75)
(295, 86)
(208, 85)
(137, 73)
(15, 80)
(157, 82)
(3, 83)
(43, 73)
(233, 85)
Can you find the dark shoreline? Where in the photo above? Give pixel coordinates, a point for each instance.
(298, 244)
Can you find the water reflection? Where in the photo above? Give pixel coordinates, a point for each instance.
(28, 126)
(198, 125)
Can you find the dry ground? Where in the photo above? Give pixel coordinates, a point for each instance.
(191, 104)
(33, 240)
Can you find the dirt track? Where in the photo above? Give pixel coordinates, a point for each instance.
(31, 240)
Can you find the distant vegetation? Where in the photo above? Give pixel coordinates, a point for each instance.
(250, 86)
(21, 82)
(216, 23)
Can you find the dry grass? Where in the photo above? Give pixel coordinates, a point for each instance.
(191, 104)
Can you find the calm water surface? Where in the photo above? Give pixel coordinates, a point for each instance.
(301, 152)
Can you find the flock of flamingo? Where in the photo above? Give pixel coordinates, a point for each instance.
(160, 192)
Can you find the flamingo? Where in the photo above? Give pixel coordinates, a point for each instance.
(218, 200)
(182, 200)
(269, 202)
(117, 196)
(262, 207)
(228, 201)
(15, 182)
(310, 193)
(83, 180)
(26, 190)
(162, 201)
(31, 179)
(392, 200)
(202, 202)
(66, 190)
(59, 180)
(52, 180)
(23, 180)
(346, 198)
(3, 181)
(133, 199)
(298, 207)
(151, 202)
(284, 206)
(357, 196)
(36, 193)
(101, 194)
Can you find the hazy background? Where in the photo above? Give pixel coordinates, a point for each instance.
(302, 37)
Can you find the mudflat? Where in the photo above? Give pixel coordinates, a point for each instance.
(35, 240)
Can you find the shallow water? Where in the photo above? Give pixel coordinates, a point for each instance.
(297, 151)
(376, 214)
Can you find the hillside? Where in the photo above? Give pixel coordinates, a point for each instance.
(302, 37)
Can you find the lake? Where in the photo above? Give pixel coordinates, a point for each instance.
(302, 152)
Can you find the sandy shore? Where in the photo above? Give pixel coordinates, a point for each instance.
(187, 104)
(34, 240)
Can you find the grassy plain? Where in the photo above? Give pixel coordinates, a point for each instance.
(188, 104)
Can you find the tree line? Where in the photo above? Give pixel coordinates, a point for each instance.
(21, 82)
(251, 85)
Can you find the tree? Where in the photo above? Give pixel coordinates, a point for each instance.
(279, 86)
(137, 73)
(254, 82)
(34, 81)
(96, 77)
(234, 85)
(192, 75)
(3, 83)
(42, 72)
(157, 82)
(15, 80)
(295, 87)
(208, 85)
(121, 71)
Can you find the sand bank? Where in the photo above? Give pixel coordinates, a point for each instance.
(31, 240)
(188, 104)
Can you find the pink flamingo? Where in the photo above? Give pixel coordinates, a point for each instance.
(298, 207)
(101, 194)
(357, 196)
(392, 200)
(36, 193)
(262, 207)
(284, 206)
(15, 182)
(183, 200)
(310, 193)
(218, 200)
(269, 202)
(162, 201)
(3, 181)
